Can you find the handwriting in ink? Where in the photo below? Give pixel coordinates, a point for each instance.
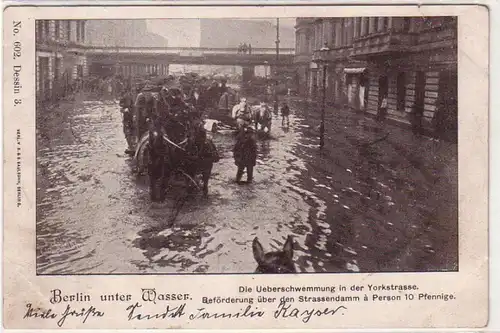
(247, 312)
(174, 312)
(84, 314)
(32, 312)
(286, 311)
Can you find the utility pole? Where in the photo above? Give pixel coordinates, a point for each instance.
(276, 66)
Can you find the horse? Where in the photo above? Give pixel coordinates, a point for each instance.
(189, 154)
(276, 262)
(262, 116)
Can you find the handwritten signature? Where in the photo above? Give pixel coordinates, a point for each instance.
(83, 314)
(287, 311)
(284, 311)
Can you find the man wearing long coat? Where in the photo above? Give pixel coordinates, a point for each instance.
(245, 154)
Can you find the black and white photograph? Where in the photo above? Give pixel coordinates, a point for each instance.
(247, 145)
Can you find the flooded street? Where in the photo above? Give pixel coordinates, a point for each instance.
(376, 199)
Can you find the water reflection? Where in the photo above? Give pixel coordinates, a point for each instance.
(343, 208)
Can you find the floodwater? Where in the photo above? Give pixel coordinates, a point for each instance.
(357, 207)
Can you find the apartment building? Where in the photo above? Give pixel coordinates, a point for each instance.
(60, 57)
(410, 60)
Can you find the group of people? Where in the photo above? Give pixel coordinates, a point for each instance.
(172, 104)
(245, 48)
(245, 149)
(146, 104)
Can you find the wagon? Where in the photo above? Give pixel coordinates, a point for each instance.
(220, 116)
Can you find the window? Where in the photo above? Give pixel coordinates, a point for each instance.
(365, 24)
(382, 24)
(57, 68)
(420, 89)
(357, 27)
(406, 24)
(401, 91)
(46, 29)
(68, 30)
(338, 33)
(39, 30)
(83, 31)
(78, 31)
(375, 25)
(44, 79)
(79, 70)
(349, 30)
(326, 35)
(344, 31)
(57, 29)
(334, 33)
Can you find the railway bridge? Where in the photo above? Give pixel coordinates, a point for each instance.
(156, 60)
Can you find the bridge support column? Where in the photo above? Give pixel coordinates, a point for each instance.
(164, 69)
(248, 74)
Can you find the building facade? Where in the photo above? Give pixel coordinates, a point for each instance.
(412, 61)
(60, 57)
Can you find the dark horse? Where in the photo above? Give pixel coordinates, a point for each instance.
(178, 147)
(277, 262)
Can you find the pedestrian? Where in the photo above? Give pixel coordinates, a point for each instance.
(126, 108)
(285, 113)
(245, 154)
(242, 113)
(382, 110)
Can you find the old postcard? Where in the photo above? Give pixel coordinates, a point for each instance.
(246, 167)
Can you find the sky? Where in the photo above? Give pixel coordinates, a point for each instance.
(186, 32)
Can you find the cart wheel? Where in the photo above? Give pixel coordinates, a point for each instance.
(215, 128)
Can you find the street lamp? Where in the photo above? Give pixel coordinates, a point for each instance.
(277, 64)
(322, 60)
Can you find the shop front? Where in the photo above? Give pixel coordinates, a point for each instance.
(357, 87)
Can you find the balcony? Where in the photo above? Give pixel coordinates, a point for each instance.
(331, 54)
(382, 43)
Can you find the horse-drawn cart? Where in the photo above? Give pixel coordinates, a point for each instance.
(174, 145)
(220, 116)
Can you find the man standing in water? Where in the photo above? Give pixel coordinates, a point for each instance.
(245, 154)
(126, 108)
(285, 114)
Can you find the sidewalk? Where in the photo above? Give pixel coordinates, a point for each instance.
(419, 173)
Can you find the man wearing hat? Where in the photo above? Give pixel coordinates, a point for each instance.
(245, 154)
(242, 113)
(127, 108)
(145, 104)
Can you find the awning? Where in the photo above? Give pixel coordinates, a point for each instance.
(354, 70)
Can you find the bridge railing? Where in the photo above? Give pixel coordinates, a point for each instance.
(185, 51)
